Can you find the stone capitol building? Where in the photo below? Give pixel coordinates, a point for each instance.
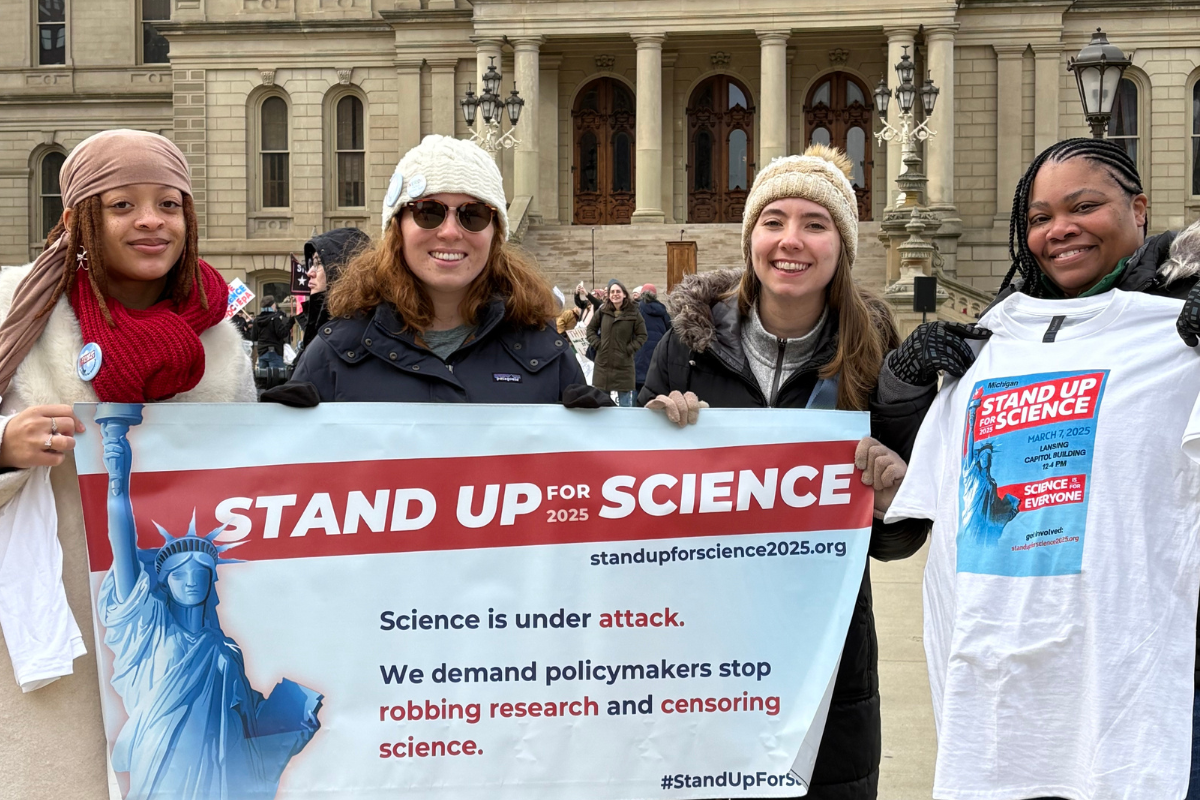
(644, 120)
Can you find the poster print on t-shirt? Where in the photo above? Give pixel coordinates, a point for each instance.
(1026, 470)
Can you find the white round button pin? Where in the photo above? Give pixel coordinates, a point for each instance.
(89, 362)
(416, 186)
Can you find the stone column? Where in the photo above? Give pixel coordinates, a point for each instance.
(668, 140)
(939, 151)
(1008, 126)
(548, 137)
(1048, 68)
(408, 79)
(525, 165)
(772, 105)
(445, 102)
(898, 39)
(649, 129)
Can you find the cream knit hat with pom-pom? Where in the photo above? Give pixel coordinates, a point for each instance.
(821, 175)
(443, 164)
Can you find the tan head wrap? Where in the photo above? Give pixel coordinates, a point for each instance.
(98, 164)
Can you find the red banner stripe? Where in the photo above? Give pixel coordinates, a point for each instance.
(308, 510)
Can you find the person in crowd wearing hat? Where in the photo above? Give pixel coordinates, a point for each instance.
(117, 308)
(793, 330)
(440, 308)
(326, 254)
(616, 333)
(658, 322)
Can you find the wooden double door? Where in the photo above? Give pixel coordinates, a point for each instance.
(837, 112)
(720, 150)
(604, 131)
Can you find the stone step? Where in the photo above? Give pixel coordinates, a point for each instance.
(637, 254)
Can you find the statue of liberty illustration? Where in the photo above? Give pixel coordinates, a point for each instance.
(985, 512)
(197, 729)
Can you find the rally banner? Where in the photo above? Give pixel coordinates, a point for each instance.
(468, 601)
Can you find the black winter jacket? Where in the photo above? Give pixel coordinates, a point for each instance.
(271, 329)
(658, 322)
(703, 354)
(372, 358)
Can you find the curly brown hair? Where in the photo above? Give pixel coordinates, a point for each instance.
(866, 332)
(379, 274)
(86, 231)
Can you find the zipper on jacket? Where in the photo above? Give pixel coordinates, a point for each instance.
(778, 372)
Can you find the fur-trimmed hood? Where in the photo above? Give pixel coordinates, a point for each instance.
(691, 306)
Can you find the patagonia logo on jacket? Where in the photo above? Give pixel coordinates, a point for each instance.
(506, 377)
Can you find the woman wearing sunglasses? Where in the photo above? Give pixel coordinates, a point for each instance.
(441, 308)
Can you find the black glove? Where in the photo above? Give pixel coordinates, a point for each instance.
(295, 395)
(935, 346)
(580, 395)
(1188, 323)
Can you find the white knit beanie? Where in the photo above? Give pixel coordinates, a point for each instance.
(821, 175)
(443, 164)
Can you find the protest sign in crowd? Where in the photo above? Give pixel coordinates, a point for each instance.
(546, 595)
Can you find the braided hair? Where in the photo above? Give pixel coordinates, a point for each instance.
(1108, 154)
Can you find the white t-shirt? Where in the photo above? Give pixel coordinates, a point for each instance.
(1063, 572)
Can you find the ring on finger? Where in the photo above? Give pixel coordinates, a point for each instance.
(53, 426)
(49, 445)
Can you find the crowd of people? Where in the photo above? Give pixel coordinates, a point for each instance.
(441, 307)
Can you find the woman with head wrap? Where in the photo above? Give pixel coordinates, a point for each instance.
(117, 308)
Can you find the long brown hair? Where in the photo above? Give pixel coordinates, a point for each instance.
(379, 274)
(86, 231)
(866, 332)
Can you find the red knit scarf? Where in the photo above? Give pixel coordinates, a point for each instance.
(153, 354)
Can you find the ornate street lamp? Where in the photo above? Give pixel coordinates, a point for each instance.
(910, 132)
(489, 106)
(1098, 69)
(915, 253)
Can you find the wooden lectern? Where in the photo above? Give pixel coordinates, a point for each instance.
(681, 261)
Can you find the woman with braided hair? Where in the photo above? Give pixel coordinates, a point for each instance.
(117, 308)
(1077, 229)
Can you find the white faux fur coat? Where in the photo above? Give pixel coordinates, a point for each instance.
(52, 740)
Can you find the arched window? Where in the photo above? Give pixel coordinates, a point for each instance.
(1123, 124)
(51, 32)
(50, 205)
(350, 142)
(1196, 138)
(720, 140)
(622, 163)
(273, 153)
(738, 160)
